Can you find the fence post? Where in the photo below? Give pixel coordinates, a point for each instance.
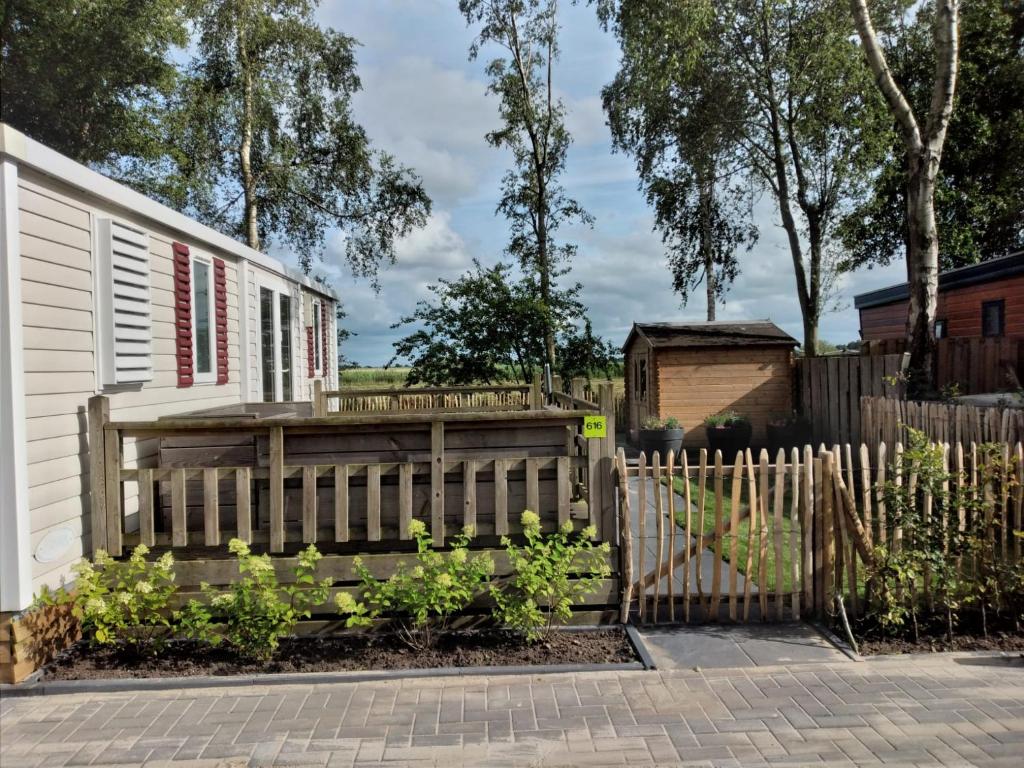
(437, 481)
(318, 398)
(625, 538)
(578, 385)
(606, 403)
(276, 489)
(828, 531)
(536, 396)
(556, 385)
(99, 415)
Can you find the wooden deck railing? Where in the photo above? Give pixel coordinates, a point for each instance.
(482, 398)
(346, 481)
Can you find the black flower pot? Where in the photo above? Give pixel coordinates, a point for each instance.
(729, 439)
(787, 435)
(662, 441)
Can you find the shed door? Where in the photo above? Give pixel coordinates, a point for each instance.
(641, 385)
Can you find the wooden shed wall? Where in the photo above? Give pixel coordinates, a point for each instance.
(695, 383)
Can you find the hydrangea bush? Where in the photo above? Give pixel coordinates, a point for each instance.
(549, 575)
(425, 596)
(125, 601)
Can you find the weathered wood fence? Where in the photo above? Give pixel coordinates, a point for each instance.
(770, 540)
(829, 392)
(499, 397)
(975, 365)
(884, 420)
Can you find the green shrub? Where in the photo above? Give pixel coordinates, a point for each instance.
(725, 419)
(550, 573)
(653, 422)
(423, 598)
(252, 614)
(124, 601)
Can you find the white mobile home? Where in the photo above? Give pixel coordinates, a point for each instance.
(103, 290)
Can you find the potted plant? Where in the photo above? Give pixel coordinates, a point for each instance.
(728, 432)
(661, 436)
(787, 432)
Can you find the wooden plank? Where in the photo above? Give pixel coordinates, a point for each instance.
(243, 505)
(404, 499)
(99, 415)
(702, 471)
(211, 507)
(113, 493)
(500, 497)
(807, 527)
(533, 486)
(276, 489)
(688, 537)
(642, 528)
(373, 502)
(865, 493)
(659, 525)
(437, 483)
(670, 470)
(469, 494)
(780, 493)
(594, 487)
(179, 530)
(828, 541)
(734, 533)
(883, 533)
(716, 575)
(748, 577)
(762, 550)
(563, 481)
(146, 514)
(794, 533)
(625, 536)
(341, 505)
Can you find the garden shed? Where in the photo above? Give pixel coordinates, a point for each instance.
(695, 370)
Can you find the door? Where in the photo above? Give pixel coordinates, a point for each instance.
(641, 385)
(275, 355)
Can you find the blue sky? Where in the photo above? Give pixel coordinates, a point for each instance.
(424, 101)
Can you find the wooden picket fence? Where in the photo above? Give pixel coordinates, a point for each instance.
(789, 536)
(885, 419)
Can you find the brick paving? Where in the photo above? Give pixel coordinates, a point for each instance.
(936, 711)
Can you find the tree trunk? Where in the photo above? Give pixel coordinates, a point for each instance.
(251, 218)
(706, 193)
(922, 274)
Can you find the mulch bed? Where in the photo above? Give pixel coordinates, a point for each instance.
(1004, 634)
(346, 653)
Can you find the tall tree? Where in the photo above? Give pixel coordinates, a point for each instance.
(979, 190)
(532, 199)
(267, 144)
(488, 326)
(923, 145)
(89, 79)
(675, 108)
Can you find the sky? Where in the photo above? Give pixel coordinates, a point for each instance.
(424, 101)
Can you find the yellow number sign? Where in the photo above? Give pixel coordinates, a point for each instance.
(595, 426)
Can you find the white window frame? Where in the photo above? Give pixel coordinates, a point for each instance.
(278, 289)
(208, 377)
(318, 339)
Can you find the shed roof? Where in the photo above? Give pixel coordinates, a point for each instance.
(750, 333)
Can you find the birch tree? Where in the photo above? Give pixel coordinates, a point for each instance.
(532, 199)
(924, 144)
(268, 148)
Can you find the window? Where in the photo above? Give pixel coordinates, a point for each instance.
(275, 352)
(643, 379)
(124, 326)
(317, 336)
(204, 351)
(285, 306)
(940, 329)
(268, 363)
(993, 318)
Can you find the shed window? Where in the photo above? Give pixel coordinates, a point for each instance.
(202, 320)
(124, 322)
(643, 379)
(993, 318)
(317, 336)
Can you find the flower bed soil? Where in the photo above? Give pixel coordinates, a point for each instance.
(345, 653)
(1004, 634)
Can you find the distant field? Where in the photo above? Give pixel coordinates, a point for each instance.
(395, 377)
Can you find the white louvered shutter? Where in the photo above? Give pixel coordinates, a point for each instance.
(124, 306)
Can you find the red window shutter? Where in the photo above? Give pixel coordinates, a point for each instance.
(310, 353)
(183, 313)
(220, 300)
(325, 358)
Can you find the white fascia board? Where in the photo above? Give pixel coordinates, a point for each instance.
(41, 158)
(15, 525)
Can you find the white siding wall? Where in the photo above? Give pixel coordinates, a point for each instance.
(60, 368)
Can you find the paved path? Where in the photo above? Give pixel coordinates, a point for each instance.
(746, 645)
(706, 562)
(926, 712)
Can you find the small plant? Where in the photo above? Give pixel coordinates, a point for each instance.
(948, 393)
(725, 419)
(123, 601)
(425, 596)
(549, 575)
(653, 422)
(253, 614)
